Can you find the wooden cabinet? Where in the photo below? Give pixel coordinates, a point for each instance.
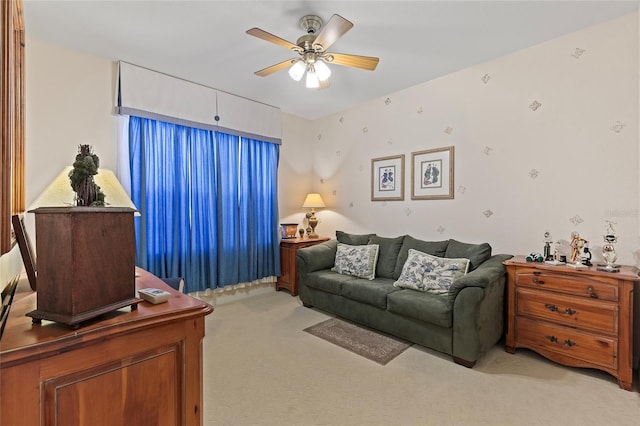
(137, 367)
(86, 256)
(580, 318)
(288, 271)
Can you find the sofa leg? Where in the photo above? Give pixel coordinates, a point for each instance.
(464, 362)
(306, 305)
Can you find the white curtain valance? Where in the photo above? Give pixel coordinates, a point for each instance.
(150, 94)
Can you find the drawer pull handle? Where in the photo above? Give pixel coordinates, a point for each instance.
(591, 293)
(535, 280)
(567, 342)
(552, 308)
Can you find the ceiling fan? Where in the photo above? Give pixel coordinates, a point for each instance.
(312, 48)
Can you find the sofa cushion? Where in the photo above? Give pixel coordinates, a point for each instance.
(424, 272)
(353, 239)
(436, 248)
(358, 261)
(476, 253)
(388, 256)
(370, 292)
(327, 281)
(422, 306)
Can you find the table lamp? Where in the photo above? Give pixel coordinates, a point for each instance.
(60, 193)
(313, 201)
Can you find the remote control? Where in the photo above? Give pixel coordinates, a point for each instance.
(154, 295)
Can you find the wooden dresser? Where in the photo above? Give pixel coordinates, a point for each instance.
(579, 318)
(134, 367)
(288, 271)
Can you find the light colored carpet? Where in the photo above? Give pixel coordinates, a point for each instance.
(363, 341)
(260, 368)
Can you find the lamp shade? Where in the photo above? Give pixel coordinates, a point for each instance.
(60, 193)
(313, 201)
(297, 70)
(312, 80)
(322, 70)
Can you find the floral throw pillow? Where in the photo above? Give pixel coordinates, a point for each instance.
(425, 272)
(359, 261)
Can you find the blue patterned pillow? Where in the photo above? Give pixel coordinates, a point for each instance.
(359, 261)
(425, 272)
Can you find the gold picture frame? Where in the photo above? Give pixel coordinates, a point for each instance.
(387, 178)
(432, 174)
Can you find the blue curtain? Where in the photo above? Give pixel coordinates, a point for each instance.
(208, 204)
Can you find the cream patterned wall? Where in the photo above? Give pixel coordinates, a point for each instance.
(546, 139)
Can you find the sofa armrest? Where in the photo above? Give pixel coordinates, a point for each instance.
(315, 258)
(490, 271)
(478, 309)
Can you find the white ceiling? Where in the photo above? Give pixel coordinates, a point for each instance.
(205, 41)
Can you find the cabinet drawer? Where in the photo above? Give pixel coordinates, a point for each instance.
(573, 311)
(566, 341)
(568, 284)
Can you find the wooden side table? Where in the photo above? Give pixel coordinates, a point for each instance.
(289, 272)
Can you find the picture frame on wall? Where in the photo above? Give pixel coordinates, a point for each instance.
(432, 174)
(387, 178)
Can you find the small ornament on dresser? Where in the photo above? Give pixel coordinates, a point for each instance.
(301, 232)
(555, 258)
(577, 248)
(534, 257)
(609, 251)
(547, 246)
(586, 255)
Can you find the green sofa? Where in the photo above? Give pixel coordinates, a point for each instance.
(464, 323)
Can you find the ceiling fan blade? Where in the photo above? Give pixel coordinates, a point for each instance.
(262, 34)
(275, 68)
(335, 28)
(365, 62)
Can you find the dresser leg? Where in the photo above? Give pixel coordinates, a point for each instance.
(624, 385)
(510, 350)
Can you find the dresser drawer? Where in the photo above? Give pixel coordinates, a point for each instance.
(573, 311)
(569, 284)
(566, 341)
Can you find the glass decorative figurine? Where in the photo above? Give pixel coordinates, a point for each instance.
(608, 249)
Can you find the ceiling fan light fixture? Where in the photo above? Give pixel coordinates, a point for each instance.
(312, 49)
(322, 70)
(297, 70)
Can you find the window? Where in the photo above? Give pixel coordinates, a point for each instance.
(208, 203)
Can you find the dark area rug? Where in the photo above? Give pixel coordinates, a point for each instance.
(363, 341)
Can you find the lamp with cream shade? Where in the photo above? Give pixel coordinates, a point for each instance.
(60, 193)
(85, 255)
(313, 201)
